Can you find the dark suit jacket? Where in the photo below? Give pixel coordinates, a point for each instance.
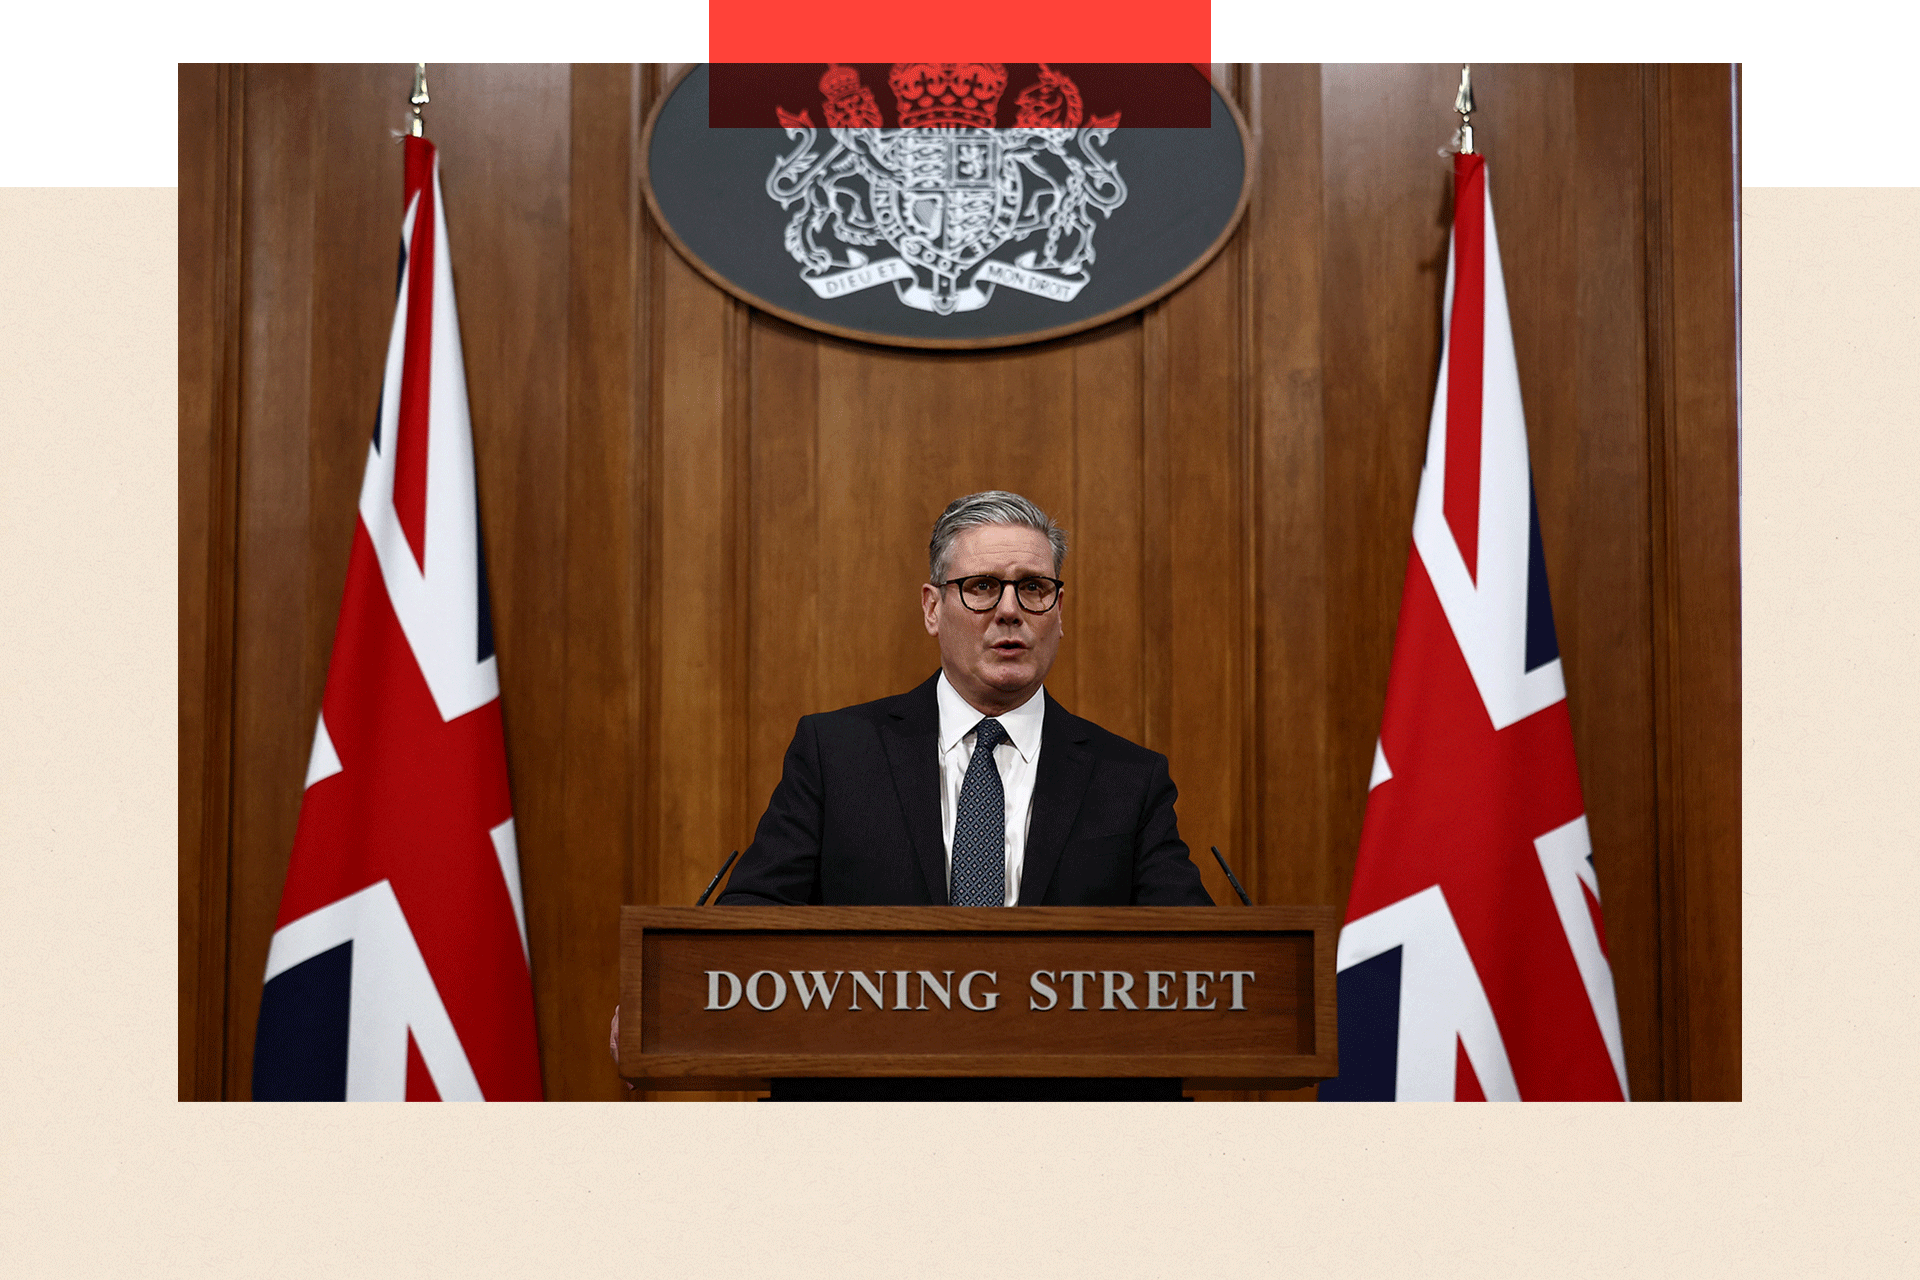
(855, 820)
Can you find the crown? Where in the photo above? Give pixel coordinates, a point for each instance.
(947, 95)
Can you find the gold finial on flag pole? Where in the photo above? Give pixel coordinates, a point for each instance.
(419, 98)
(1463, 103)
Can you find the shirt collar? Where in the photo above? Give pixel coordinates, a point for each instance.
(958, 718)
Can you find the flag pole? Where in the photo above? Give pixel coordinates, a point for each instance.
(1462, 102)
(419, 99)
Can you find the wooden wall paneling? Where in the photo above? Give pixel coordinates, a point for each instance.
(738, 585)
(290, 544)
(211, 139)
(1244, 460)
(503, 136)
(700, 615)
(1156, 596)
(1662, 636)
(1203, 622)
(1526, 132)
(1387, 202)
(1289, 858)
(1696, 526)
(1604, 614)
(1220, 567)
(274, 536)
(1526, 128)
(1105, 624)
(854, 653)
(293, 534)
(358, 198)
(685, 870)
(649, 355)
(791, 598)
(1566, 171)
(585, 874)
(654, 871)
(1249, 820)
(876, 470)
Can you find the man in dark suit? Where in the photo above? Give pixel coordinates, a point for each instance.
(890, 802)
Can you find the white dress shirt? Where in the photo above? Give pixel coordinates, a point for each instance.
(1018, 759)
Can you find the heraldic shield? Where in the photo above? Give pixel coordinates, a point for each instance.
(946, 189)
(949, 205)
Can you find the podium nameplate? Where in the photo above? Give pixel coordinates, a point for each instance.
(729, 997)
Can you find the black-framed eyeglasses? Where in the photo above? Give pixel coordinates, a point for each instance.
(981, 592)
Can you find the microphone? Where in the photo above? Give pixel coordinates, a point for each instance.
(1231, 878)
(714, 883)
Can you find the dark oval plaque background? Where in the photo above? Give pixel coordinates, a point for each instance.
(1186, 190)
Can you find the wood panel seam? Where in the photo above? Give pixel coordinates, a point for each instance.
(1664, 638)
(214, 951)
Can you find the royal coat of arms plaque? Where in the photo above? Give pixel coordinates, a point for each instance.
(965, 220)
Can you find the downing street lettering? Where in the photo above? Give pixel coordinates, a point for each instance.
(917, 990)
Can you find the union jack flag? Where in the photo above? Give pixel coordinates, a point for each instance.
(1473, 964)
(399, 964)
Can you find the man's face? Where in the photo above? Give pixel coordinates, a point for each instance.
(998, 658)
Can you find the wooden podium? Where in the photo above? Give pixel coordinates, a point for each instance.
(739, 997)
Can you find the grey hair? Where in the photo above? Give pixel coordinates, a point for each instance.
(995, 506)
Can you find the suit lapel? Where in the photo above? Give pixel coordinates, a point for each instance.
(1066, 766)
(912, 736)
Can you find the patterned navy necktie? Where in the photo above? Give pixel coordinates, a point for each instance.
(980, 826)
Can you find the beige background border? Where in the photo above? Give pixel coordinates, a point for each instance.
(1814, 1174)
